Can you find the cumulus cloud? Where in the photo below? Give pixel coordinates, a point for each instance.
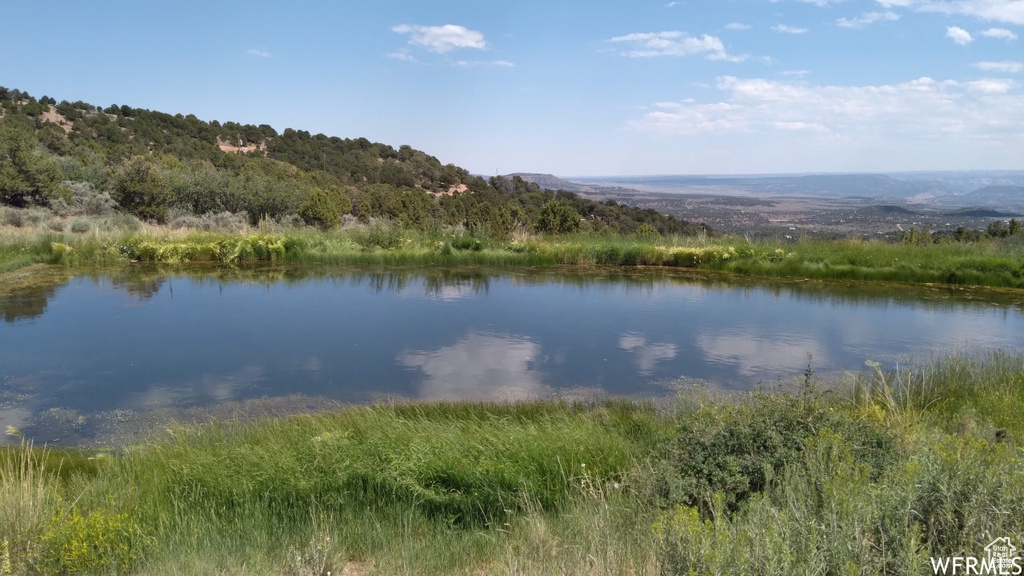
(1009, 11)
(925, 110)
(258, 53)
(1000, 33)
(737, 26)
(868, 18)
(783, 29)
(441, 39)
(959, 35)
(991, 86)
(673, 43)
(1008, 66)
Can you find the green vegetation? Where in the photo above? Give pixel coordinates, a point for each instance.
(84, 185)
(77, 159)
(40, 237)
(873, 475)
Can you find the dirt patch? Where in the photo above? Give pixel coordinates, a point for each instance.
(451, 191)
(51, 115)
(247, 148)
(357, 568)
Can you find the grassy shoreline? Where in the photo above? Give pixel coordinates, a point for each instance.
(873, 475)
(992, 262)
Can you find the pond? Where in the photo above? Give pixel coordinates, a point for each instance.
(83, 351)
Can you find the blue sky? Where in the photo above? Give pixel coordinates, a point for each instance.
(566, 87)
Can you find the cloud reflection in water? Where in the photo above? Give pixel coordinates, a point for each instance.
(646, 356)
(752, 354)
(480, 366)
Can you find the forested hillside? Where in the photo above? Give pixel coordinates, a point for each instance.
(77, 158)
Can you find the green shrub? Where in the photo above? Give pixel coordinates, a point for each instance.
(467, 243)
(647, 233)
(124, 222)
(558, 217)
(732, 449)
(87, 200)
(14, 217)
(98, 541)
(80, 226)
(320, 210)
(140, 189)
(382, 235)
(819, 514)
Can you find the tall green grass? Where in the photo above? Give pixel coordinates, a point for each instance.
(997, 263)
(875, 475)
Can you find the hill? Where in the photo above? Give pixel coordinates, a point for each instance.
(553, 182)
(73, 157)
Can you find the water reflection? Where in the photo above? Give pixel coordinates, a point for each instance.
(143, 282)
(646, 356)
(754, 354)
(26, 297)
(25, 302)
(140, 287)
(209, 336)
(479, 366)
(208, 388)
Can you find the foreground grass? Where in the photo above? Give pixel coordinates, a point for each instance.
(996, 263)
(873, 477)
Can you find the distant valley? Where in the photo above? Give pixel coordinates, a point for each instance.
(819, 204)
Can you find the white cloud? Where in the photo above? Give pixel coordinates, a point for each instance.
(401, 55)
(795, 73)
(1000, 33)
(991, 86)
(868, 18)
(737, 26)
(259, 53)
(1009, 11)
(475, 63)
(1008, 66)
(822, 2)
(959, 35)
(673, 43)
(782, 28)
(925, 111)
(442, 39)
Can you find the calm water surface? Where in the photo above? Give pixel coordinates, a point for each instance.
(113, 342)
